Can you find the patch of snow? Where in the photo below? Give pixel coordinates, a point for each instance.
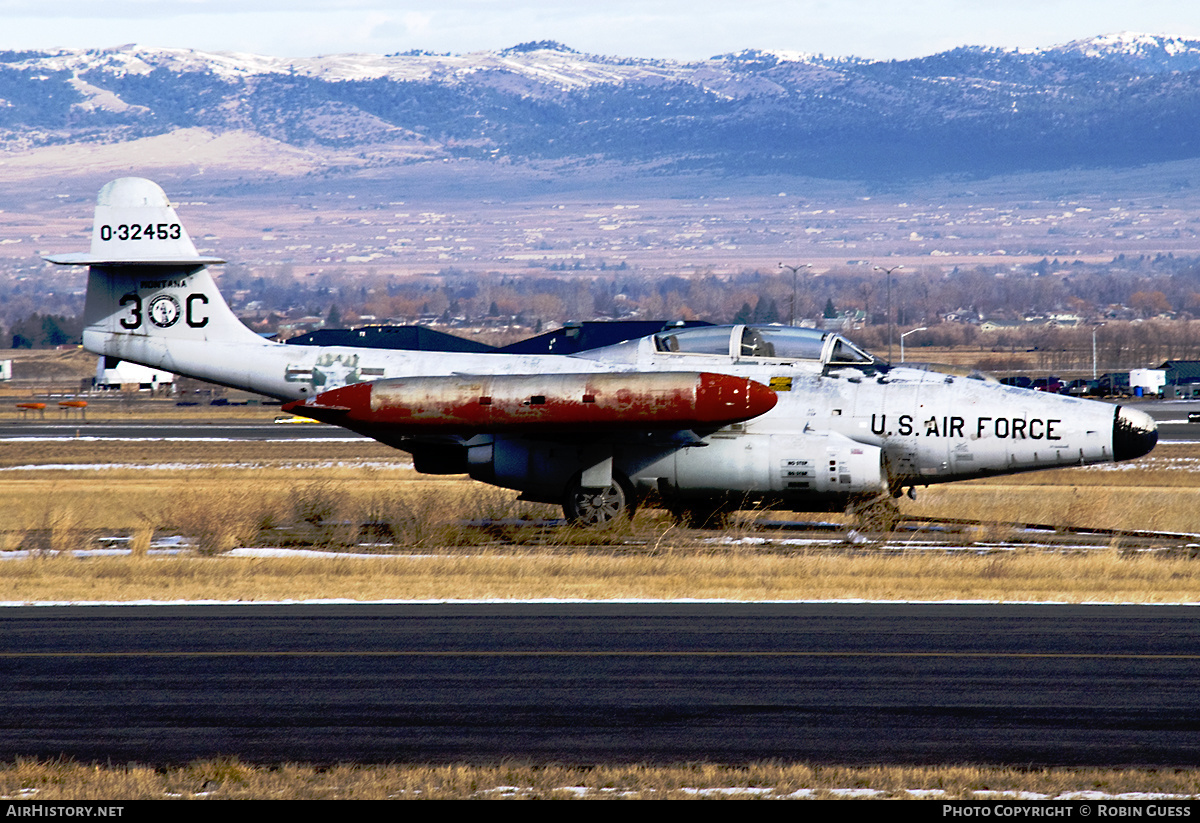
(289, 465)
(313, 553)
(1013, 795)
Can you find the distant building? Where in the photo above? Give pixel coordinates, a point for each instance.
(300, 325)
(113, 374)
(844, 321)
(1056, 320)
(1182, 374)
(988, 326)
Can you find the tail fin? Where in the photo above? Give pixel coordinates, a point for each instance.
(147, 285)
(136, 225)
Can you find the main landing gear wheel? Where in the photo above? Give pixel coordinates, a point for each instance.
(595, 507)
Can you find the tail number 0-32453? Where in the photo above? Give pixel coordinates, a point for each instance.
(136, 231)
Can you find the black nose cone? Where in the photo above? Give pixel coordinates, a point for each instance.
(1134, 433)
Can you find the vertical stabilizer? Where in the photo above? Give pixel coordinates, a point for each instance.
(135, 221)
(149, 295)
(136, 225)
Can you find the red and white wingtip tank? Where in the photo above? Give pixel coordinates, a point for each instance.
(702, 417)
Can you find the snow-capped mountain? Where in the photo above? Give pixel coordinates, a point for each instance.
(1150, 53)
(1117, 99)
(550, 65)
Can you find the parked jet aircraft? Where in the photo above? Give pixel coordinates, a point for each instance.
(703, 417)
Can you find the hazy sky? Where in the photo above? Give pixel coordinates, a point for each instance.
(681, 29)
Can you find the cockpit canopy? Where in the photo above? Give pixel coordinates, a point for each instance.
(765, 343)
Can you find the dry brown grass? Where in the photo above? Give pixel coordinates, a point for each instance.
(1163, 509)
(472, 541)
(369, 477)
(228, 778)
(1160, 492)
(591, 575)
(137, 454)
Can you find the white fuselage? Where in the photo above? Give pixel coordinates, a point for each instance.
(843, 426)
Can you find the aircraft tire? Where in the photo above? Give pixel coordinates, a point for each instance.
(587, 508)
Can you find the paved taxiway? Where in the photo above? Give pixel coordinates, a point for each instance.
(843, 682)
(1172, 419)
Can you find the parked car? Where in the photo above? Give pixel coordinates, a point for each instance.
(1082, 388)
(1115, 384)
(1020, 381)
(1048, 384)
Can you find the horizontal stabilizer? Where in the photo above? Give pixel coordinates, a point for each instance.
(88, 259)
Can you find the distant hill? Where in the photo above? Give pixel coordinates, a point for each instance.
(1118, 100)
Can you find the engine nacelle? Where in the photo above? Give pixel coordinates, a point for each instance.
(788, 470)
(783, 468)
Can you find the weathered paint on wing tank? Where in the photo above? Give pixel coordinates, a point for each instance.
(575, 402)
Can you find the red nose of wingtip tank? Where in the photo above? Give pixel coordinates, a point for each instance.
(1134, 433)
(722, 398)
(762, 398)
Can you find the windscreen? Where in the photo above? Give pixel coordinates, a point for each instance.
(704, 340)
(783, 342)
(846, 353)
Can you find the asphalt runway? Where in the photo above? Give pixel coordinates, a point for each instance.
(837, 683)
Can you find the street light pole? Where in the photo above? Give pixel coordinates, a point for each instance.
(889, 304)
(794, 270)
(906, 334)
(1095, 329)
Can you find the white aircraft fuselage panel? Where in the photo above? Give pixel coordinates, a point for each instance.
(700, 417)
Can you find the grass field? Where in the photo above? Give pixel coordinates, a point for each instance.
(439, 537)
(231, 779)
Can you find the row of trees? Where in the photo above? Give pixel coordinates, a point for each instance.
(918, 296)
(1137, 287)
(1117, 293)
(44, 331)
